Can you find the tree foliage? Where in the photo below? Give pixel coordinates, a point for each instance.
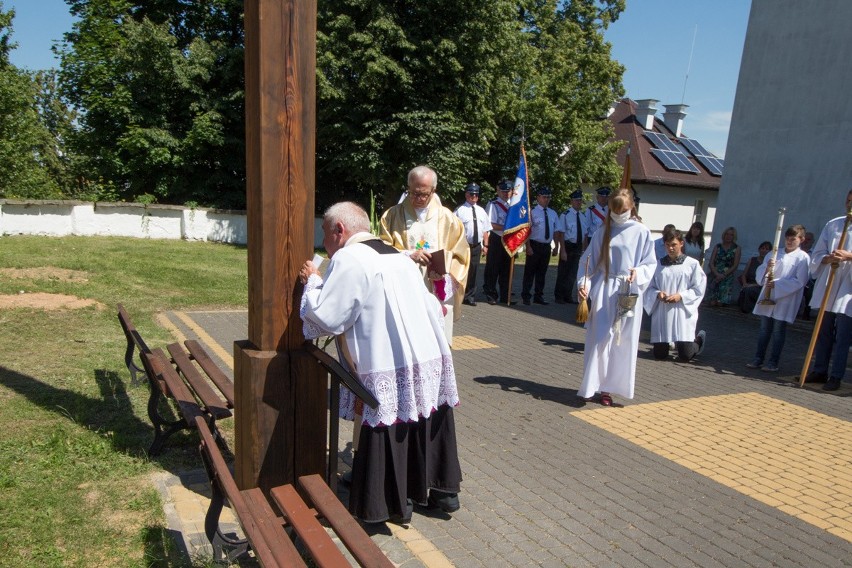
(160, 88)
(456, 84)
(32, 161)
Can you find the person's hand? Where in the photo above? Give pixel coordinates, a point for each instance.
(421, 257)
(631, 276)
(662, 295)
(305, 272)
(582, 293)
(563, 255)
(674, 299)
(839, 255)
(485, 249)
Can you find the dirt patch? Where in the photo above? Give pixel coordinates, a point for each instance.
(42, 301)
(46, 273)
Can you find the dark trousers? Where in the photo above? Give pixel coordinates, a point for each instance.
(566, 273)
(535, 270)
(470, 286)
(835, 335)
(686, 350)
(497, 265)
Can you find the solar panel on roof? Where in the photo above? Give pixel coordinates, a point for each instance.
(713, 164)
(669, 154)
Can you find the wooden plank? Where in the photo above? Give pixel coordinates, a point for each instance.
(347, 528)
(211, 400)
(322, 549)
(220, 379)
(177, 390)
(276, 552)
(271, 527)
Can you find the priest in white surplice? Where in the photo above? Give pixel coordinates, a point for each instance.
(391, 328)
(672, 300)
(621, 261)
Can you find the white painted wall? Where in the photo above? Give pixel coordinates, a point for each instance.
(83, 218)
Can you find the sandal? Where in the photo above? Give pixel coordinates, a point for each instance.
(606, 399)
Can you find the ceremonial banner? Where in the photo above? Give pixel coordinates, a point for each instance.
(625, 176)
(516, 230)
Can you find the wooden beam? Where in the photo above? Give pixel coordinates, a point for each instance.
(271, 382)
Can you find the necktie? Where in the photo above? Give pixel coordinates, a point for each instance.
(579, 230)
(475, 227)
(546, 227)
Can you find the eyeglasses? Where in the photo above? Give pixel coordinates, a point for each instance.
(416, 195)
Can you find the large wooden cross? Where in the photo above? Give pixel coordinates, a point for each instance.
(281, 399)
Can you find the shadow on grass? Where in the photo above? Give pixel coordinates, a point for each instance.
(560, 395)
(112, 414)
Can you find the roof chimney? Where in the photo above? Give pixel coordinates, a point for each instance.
(645, 111)
(673, 117)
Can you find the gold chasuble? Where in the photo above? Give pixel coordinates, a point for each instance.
(439, 230)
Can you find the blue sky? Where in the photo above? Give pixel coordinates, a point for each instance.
(652, 39)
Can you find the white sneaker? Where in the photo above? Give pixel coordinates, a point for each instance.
(701, 340)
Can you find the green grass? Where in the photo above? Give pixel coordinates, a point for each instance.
(75, 480)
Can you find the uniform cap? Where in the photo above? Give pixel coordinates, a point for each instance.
(543, 190)
(577, 194)
(604, 191)
(472, 188)
(504, 185)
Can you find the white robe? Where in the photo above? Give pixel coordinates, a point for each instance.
(790, 276)
(610, 366)
(677, 321)
(840, 296)
(394, 330)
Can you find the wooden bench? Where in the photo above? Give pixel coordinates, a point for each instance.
(181, 383)
(266, 532)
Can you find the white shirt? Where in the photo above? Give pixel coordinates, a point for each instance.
(567, 225)
(537, 218)
(497, 210)
(470, 214)
(840, 295)
(790, 276)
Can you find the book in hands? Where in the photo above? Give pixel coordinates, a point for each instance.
(437, 263)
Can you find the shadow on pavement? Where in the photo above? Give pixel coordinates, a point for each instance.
(568, 397)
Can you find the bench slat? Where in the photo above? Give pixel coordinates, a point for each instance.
(272, 546)
(212, 402)
(213, 371)
(189, 408)
(323, 550)
(347, 528)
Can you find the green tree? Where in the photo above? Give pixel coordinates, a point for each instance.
(159, 86)
(28, 153)
(456, 84)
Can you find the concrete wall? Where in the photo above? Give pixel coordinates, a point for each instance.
(661, 205)
(83, 218)
(790, 143)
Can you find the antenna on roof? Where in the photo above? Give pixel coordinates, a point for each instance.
(689, 64)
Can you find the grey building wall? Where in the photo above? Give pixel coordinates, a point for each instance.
(790, 143)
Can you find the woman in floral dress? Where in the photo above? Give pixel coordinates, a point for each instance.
(723, 263)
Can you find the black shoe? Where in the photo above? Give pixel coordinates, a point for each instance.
(447, 502)
(541, 302)
(526, 302)
(832, 384)
(405, 518)
(469, 302)
(491, 301)
(814, 377)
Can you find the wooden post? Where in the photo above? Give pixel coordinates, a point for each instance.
(280, 405)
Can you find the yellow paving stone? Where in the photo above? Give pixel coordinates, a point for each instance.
(783, 455)
(420, 546)
(465, 342)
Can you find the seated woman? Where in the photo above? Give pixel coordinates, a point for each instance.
(750, 291)
(672, 301)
